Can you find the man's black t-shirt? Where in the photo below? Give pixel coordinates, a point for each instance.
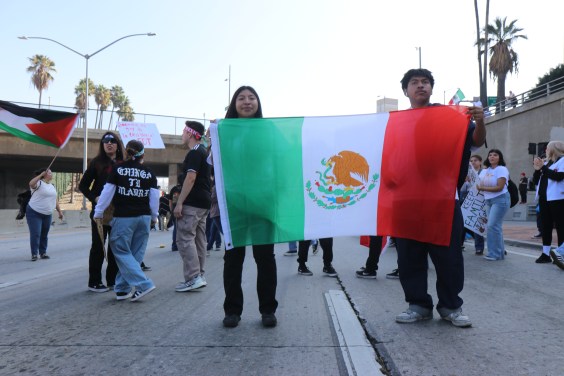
(196, 161)
(133, 183)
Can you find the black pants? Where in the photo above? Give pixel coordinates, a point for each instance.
(326, 245)
(449, 266)
(96, 258)
(552, 213)
(266, 279)
(523, 193)
(374, 250)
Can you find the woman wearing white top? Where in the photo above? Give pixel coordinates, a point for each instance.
(493, 183)
(549, 176)
(39, 212)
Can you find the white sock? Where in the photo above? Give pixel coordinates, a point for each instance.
(546, 250)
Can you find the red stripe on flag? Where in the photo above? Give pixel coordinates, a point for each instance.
(420, 166)
(56, 132)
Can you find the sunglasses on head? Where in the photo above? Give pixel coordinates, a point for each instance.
(109, 141)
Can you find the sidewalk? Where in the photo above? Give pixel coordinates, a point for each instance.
(520, 234)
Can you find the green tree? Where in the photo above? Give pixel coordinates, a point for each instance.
(102, 97)
(117, 97)
(41, 68)
(556, 73)
(80, 92)
(503, 59)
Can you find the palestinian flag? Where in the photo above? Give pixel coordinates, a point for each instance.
(457, 97)
(284, 179)
(45, 127)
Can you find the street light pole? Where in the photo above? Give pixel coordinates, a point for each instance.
(419, 48)
(87, 57)
(228, 79)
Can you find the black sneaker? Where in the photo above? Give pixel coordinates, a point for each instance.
(44, 256)
(269, 320)
(98, 288)
(123, 295)
(303, 270)
(138, 294)
(363, 273)
(329, 270)
(146, 268)
(34, 258)
(537, 236)
(543, 259)
(393, 275)
(231, 321)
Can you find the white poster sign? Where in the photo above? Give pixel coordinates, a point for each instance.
(147, 133)
(474, 206)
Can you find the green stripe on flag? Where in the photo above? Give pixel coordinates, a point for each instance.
(25, 136)
(272, 202)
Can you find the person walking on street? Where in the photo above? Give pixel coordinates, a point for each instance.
(192, 209)
(132, 188)
(493, 183)
(110, 153)
(417, 85)
(39, 212)
(549, 178)
(327, 247)
(245, 103)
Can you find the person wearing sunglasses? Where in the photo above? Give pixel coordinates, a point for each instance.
(110, 152)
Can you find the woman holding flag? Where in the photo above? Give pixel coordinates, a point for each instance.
(246, 104)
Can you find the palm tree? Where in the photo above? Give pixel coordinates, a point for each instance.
(41, 68)
(125, 112)
(500, 37)
(80, 92)
(102, 98)
(117, 97)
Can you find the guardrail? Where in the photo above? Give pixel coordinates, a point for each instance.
(528, 96)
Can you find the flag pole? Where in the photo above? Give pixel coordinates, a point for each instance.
(55, 157)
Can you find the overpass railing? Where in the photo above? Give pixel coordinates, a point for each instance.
(166, 124)
(526, 97)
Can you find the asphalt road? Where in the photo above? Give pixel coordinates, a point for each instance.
(51, 325)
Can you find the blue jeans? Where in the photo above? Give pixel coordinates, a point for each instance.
(39, 225)
(496, 209)
(128, 240)
(478, 242)
(293, 246)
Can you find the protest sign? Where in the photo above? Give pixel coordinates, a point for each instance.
(147, 133)
(474, 206)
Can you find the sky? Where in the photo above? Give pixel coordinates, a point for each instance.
(304, 57)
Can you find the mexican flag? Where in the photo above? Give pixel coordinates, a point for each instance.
(284, 179)
(457, 97)
(45, 127)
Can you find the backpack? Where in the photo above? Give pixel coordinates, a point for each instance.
(23, 200)
(513, 193)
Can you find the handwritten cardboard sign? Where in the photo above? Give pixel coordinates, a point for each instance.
(474, 206)
(147, 133)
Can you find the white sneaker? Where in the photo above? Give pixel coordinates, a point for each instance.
(193, 284)
(458, 319)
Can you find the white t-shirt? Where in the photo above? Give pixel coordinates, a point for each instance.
(488, 178)
(44, 198)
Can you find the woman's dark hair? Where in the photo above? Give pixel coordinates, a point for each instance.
(102, 161)
(498, 152)
(135, 150)
(416, 73)
(477, 157)
(232, 110)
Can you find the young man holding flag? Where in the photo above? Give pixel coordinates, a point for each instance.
(417, 85)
